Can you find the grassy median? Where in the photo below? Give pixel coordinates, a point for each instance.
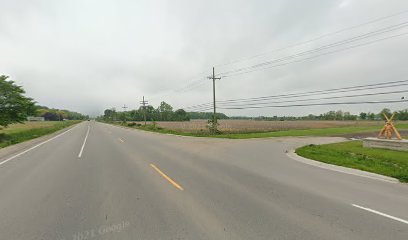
(21, 132)
(352, 154)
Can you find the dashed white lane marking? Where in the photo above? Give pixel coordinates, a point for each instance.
(381, 214)
(34, 147)
(83, 145)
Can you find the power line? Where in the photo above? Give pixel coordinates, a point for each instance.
(261, 66)
(200, 82)
(324, 47)
(323, 54)
(317, 104)
(316, 99)
(195, 82)
(314, 39)
(314, 93)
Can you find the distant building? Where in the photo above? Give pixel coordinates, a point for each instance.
(35, 119)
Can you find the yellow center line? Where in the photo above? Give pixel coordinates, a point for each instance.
(121, 140)
(167, 177)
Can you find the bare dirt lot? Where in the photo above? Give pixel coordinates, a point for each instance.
(242, 126)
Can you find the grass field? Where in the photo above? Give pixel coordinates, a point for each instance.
(251, 126)
(352, 154)
(242, 129)
(17, 133)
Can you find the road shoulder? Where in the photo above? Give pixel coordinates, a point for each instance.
(16, 148)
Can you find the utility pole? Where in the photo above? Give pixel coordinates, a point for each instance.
(214, 105)
(124, 112)
(113, 113)
(144, 109)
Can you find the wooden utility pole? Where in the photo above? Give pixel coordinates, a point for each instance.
(144, 109)
(124, 112)
(214, 105)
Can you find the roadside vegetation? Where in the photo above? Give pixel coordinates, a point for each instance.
(21, 132)
(323, 132)
(334, 131)
(15, 108)
(352, 154)
(164, 119)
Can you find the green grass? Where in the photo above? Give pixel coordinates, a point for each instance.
(17, 133)
(305, 132)
(352, 154)
(308, 132)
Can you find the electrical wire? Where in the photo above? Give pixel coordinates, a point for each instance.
(316, 104)
(324, 47)
(323, 54)
(313, 93)
(313, 39)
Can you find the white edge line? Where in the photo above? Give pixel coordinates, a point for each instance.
(36, 146)
(83, 145)
(381, 214)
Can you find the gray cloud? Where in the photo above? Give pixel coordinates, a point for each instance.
(91, 55)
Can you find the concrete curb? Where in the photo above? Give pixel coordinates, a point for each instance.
(292, 154)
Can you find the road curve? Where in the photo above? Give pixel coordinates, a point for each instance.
(116, 183)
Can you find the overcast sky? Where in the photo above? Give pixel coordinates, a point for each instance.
(91, 55)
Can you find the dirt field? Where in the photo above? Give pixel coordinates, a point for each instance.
(241, 126)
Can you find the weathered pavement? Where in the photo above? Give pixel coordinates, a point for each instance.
(131, 184)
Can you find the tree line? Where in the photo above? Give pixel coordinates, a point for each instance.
(15, 107)
(338, 115)
(52, 114)
(164, 112)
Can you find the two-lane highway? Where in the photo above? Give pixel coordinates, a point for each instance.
(98, 181)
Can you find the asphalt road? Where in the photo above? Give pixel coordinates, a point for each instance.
(127, 184)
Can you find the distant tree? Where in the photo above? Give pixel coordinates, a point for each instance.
(51, 116)
(14, 106)
(165, 112)
(370, 116)
(363, 116)
(402, 115)
(123, 116)
(331, 115)
(339, 115)
(349, 116)
(181, 115)
(135, 115)
(206, 115)
(109, 114)
(385, 111)
(151, 113)
(58, 114)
